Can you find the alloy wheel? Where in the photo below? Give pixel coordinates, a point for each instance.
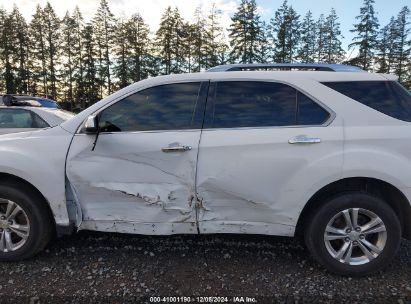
(355, 236)
(14, 226)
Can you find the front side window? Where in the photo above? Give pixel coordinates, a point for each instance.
(262, 104)
(165, 107)
(13, 118)
(387, 97)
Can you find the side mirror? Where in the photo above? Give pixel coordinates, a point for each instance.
(91, 125)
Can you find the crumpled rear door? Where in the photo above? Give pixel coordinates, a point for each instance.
(261, 157)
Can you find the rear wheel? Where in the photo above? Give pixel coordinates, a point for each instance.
(25, 224)
(353, 234)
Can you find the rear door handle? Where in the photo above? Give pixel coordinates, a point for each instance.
(176, 149)
(304, 140)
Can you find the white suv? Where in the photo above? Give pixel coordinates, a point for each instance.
(323, 154)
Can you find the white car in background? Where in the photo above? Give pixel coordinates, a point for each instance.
(25, 113)
(324, 153)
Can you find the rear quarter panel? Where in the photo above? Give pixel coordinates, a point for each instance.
(381, 152)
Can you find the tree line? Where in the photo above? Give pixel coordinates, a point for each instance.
(80, 62)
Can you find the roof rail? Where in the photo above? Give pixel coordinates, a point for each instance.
(286, 67)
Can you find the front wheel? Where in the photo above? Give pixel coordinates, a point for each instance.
(25, 223)
(353, 234)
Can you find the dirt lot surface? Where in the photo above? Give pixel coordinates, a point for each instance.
(113, 268)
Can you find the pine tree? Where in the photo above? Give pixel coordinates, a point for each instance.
(52, 38)
(104, 29)
(392, 44)
(367, 36)
(332, 43)
(403, 43)
(285, 33)
(307, 49)
(78, 54)
(196, 41)
(320, 41)
(277, 35)
(139, 42)
(38, 64)
(67, 47)
(6, 52)
(91, 81)
(164, 41)
(169, 37)
(3, 18)
(44, 42)
(20, 41)
(263, 47)
(3, 13)
(245, 33)
(214, 44)
(188, 46)
(292, 34)
(223, 55)
(386, 48)
(178, 39)
(382, 50)
(122, 51)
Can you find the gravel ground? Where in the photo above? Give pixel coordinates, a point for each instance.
(101, 267)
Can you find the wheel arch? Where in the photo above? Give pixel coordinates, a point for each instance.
(10, 178)
(389, 193)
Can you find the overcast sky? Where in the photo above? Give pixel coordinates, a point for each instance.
(151, 10)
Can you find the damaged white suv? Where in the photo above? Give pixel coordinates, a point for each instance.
(324, 152)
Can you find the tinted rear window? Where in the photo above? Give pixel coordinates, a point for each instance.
(387, 97)
(261, 104)
(254, 104)
(309, 112)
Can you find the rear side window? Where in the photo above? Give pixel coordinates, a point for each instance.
(387, 97)
(309, 112)
(13, 118)
(165, 107)
(261, 104)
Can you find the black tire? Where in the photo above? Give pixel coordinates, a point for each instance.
(317, 223)
(41, 227)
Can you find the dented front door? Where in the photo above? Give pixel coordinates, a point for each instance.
(140, 178)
